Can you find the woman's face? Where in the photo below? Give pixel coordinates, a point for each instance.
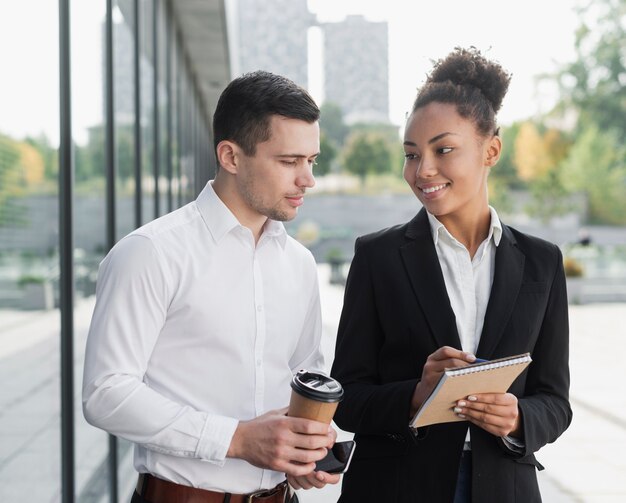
(447, 161)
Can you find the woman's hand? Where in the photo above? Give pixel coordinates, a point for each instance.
(445, 357)
(496, 413)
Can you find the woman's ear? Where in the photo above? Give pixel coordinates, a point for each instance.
(227, 154)
(492, 151)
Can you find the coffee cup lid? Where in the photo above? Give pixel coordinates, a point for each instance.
(317, 386)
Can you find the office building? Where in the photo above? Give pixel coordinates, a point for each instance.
(272, 36)
(356, 69)
(65, 201)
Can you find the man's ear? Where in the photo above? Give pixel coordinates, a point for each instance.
(227, 153)
(493, 151)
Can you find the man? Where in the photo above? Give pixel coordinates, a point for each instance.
(203, 315)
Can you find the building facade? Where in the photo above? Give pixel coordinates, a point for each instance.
(356, 69)
(152, 76)
(273, 36)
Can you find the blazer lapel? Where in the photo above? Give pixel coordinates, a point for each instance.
(424, 272)
(507, 279)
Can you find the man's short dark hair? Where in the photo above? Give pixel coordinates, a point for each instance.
(245, 107)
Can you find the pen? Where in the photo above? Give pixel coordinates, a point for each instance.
(480, 360)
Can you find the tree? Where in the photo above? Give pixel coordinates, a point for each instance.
(530, 156)
(595, 167)
(366, 153)
(10, 179)
(32, 164)
(594, 87)
(332, 124)
(328, 153)
(538, 156)
(49, 155)
(504, 174)
(594, 84)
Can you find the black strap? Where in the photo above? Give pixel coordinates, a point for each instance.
(226, 497)
(144, 483)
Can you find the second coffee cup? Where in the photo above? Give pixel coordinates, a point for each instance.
(314, 396)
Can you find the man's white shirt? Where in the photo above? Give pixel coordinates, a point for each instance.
(194, 329)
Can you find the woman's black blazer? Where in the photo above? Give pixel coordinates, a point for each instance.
(396, 312)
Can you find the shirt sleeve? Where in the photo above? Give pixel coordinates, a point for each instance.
(132, 297)
(513, 444)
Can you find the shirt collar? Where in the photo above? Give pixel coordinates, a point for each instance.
(221, 221)
(437, 229)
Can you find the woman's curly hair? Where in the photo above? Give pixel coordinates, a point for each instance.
(474, 84)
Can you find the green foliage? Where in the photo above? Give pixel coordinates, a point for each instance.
(49, 154)
(549, 197)
(499, 195)
(90, 160)
(328, 153)
(10, 180)
(390, 134)
(332, 124)
(30, 280)
(595, 83)
(596, 166)
(504, 173)
(367, 154)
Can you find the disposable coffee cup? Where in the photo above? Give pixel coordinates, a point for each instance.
(314, 396)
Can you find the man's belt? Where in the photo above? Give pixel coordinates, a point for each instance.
(157, 490)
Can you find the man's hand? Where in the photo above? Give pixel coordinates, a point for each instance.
(315, 479)
(285, 444)
(445, 357)
(496, 413)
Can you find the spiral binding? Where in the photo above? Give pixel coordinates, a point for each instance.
(486, 366)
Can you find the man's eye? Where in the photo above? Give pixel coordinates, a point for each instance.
(287, 162)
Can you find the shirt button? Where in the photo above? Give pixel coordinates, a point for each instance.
(258, 363)
(259, 308)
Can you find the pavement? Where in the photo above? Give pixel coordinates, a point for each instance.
(586, 464)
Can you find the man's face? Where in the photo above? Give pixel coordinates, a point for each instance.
(273, 181)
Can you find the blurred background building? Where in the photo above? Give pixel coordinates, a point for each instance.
(356, 69)
(273, 36)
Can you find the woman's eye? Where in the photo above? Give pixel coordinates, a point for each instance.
(410, 157)
(445, 150)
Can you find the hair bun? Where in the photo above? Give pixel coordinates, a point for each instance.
(468, 67)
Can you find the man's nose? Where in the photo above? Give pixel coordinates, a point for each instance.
(305, 176)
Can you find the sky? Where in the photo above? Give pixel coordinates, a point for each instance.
(528, 38)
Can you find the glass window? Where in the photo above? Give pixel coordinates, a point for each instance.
(88, 104)
(29, 254)
(162, 104)
(147, 106)
(124, 109)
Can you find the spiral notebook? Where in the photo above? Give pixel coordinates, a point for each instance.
(493, 376)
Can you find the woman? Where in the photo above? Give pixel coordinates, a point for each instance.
(452, 284)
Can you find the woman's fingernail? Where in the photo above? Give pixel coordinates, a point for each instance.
(462, 416)
(461, 404)
(458, 409)
(472, 398)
